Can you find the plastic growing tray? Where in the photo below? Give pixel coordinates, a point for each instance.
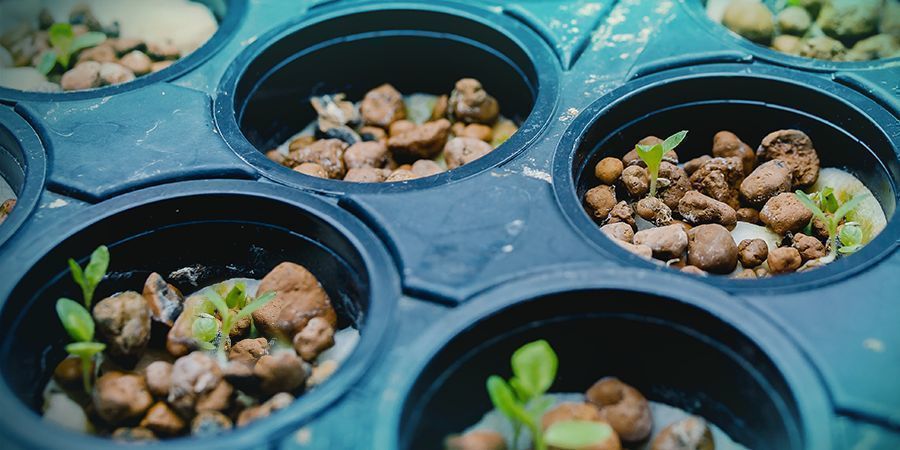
(446, 275)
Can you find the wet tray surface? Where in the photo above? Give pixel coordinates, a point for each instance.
(438, 271)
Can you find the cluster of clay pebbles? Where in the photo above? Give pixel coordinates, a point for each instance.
(168, 369)
(737, 211)
(63, 45)
(836, 30)
(389, 137)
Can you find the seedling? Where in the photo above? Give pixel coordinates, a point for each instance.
(80, 325)
(832, 221)
(93, 272)
(229, 318)
(64, 44)
(522, 400)
(851, 236)
(652, 155)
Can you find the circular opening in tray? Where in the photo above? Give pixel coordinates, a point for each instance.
(698, 9)
(228, 13)
(22, 169)
(208, 232)
(674, 352)
(264, 99)
(750, 102)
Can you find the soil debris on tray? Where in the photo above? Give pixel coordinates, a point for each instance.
(392, 137)
(835, 30)
(775, 210)
(609, 415)
(156, 365)
(70, 45)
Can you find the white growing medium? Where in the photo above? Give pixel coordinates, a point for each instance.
(6, 191)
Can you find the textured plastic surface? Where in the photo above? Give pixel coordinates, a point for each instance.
(480, 252)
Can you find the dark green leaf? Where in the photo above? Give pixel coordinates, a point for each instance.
(577, 434)
(828, 200)
(85, 350)
(89, 39)
(534, 366)
(504, 400)
(255, 304)
(75, 319)
(48, 62)
(810, 205)
(236, 296)
(673, 141)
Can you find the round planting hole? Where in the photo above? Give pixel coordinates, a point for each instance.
(681, 354)
(194, 235)
(22, 171)
(751, 103)
(264, 100)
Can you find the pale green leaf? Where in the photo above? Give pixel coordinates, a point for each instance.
(86, 40)
(577, 434)
(75, 319)
(85, 350)
(673, 141)
(47, 62)
(534, 366)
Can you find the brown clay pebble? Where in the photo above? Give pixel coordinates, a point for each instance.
(608, 170)
(365, 175)
(748, 215)
(623, 407)
(421, 142)
(366, 154)
(619, 231)
(653, 210)
(327, 153)
(68, 373)
(217, 399)
(691, 166)
(720, 178)
(280, 372)
(278, 401)
(784, 260)
(113, 73)
(163, 421)
(697, 208)
(694, 270)
(401, 126)
(193, 377)
(372, 133)
(119, 397)
(180, 339)
(711, 248)
(400, 175)
(636, 181)
(209, 423)
(102, 53)
(601, 200)
(569, 411)
(667, 242)
(641, 250)
(690, 433)
(439, 110)
(165, 300)
(679, 183)
(752, 252)
(124, 321)
(477, 131)
(314, 338)
(159, 378)
(85, 75)
(809, 247)
(470, 103)
(795, 148)
(299, 298)
(248, 351)
(726, 144)
(312, 169)
(622, 212)
(136, 434)
(382, 106)
(426, 168)
(460, 151)
(746, 274)
(785, 213)
(160, 65)
(768, 180)
(137, 62)
(476, 440)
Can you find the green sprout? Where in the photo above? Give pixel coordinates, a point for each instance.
(851, 236)
(522, 400)
(205, 328)
(652, 155)
(80, 325)
(229, 317)
(64, 44)
(93, 272)
(833, 220)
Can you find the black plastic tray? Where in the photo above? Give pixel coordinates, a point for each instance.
(445, 275)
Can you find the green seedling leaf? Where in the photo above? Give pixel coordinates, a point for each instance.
(505, 401)
(48, 62)
(534, 366)
(204, 328)
(851, 234)
(828, 201)
(61, 37)
(75, 319)
(848, 206)
(77, 274)
(89, 39)
(96, 268)
(673, 141)
(849, 249)
(85, 350)
(218, 302)
(237, 296)
(255, 304)
(651, 155)
(577, 434)
(810, 205)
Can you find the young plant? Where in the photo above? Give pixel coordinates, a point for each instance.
(229, 318)
(522, 400)
(652, 155)
(832, 221)
(80, 325)
(93, 272)
(64, 44)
